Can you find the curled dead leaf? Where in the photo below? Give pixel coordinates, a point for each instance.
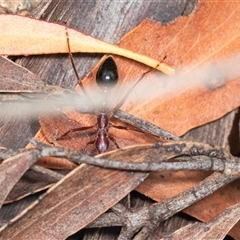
(21, 36)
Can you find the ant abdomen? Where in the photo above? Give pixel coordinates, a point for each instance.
(107, 74)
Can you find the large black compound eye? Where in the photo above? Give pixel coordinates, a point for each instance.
(107, 74)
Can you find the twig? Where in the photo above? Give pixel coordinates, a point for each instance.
(154, 157)
(146, 219)
(161, 211)
(182, 156)
(145, 126)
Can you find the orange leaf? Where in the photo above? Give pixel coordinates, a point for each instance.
(19, 40)
(206, 77)
(204, 43)
(204, 49)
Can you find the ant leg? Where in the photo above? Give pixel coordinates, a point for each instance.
(88, 143)
(132, 129)
(114, 141)
(128, 128)
(74, 130)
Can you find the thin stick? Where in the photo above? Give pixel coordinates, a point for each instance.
(145, 125)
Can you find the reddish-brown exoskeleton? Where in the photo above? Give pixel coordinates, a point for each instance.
(106, 78)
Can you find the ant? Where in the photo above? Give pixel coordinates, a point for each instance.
(106, 79)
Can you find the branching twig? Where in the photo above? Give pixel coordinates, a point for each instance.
(146, 219)
(161, 211)
(155, 159)
(182, 156)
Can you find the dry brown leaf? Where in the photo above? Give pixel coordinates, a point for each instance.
(203, 38)
(165, 184)
(12, 169)
(15, 78)
(30, 183)
(207, 38)
(52, 128)
(217, 228)
(73, 202)
(21, 36)
(204, 48)
(209, 96)
(206, 77)
(192, 98)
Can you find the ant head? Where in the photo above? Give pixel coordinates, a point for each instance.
(107, 74)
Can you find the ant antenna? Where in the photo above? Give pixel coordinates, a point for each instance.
(134, 85)
(74, 68)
